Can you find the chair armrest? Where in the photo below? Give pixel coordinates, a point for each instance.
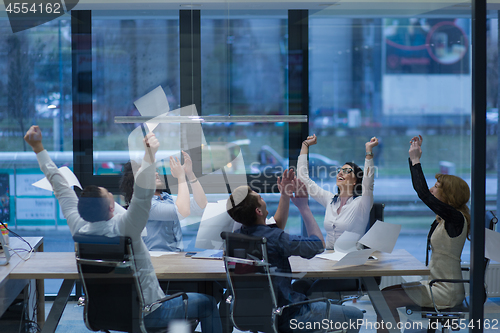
(148, 307)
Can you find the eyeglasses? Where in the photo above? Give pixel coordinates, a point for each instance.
(345, 171)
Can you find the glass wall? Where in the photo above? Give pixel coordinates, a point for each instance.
(133, 53)
(392, 78)
(244, 70)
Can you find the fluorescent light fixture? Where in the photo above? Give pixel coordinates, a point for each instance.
(212, 119)
(51, 106)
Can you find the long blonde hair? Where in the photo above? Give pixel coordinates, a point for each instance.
(455, 192)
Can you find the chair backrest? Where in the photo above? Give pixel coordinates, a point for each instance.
(249, 279)
(376, 213)
(113, 298)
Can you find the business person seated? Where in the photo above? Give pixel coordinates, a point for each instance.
(163, 230)
(247, 207)
(448, 200)
(346, 210)
(94, 214)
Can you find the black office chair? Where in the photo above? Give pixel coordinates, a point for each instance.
(113, 297)
(253, 300)
(450, 317)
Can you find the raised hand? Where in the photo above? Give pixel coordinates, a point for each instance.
(301, 195)
(371, 144)
(33, 137)
(415, 151)
(188, 163)
(286, 184)
(417, 139)
(151, 145)
(176, 168)
(311, 140)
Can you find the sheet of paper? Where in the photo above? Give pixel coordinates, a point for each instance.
(332, 256)
(153, 104)
(66, 173)
(354, 258)
(346, 242)
(160, 253)
(382, 236)
(492, 245)
(215, 220)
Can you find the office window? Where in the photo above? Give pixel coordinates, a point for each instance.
(244, 70)
(35, 88)
(133, 53)
(392, 78)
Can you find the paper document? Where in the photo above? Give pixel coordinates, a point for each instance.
(352, 258)
(382, 236)
(492, 245)
(215, 220)
(153, 104)
(66, 173)
(344, 244)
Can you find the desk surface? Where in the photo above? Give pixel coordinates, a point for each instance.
(62, 265)
(16, 243)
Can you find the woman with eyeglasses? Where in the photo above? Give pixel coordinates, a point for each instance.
(448, 200)
(348, 209)
(163, 229)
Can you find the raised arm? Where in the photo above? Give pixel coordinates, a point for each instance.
(301, 201)
(453, 218)
(198, 192)
(286, 187)
(182, 202)
(322, 196)
(136, 216)
(67, 198)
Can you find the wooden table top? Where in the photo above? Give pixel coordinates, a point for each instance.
(16, 243)
(62, 265)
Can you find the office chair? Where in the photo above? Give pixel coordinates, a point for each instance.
(450, 317)
(113, 297)
(253, 300)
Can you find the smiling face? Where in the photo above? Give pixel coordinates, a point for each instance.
(346, 179)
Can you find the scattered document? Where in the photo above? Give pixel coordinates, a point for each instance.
(215, 220)
(353, 258)
(344, 244)
(382, 236)
(153, 104)
(492, 245)
(66, 173)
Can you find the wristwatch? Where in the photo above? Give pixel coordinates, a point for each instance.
(369, 153)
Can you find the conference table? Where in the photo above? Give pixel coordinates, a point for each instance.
(62, 265)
